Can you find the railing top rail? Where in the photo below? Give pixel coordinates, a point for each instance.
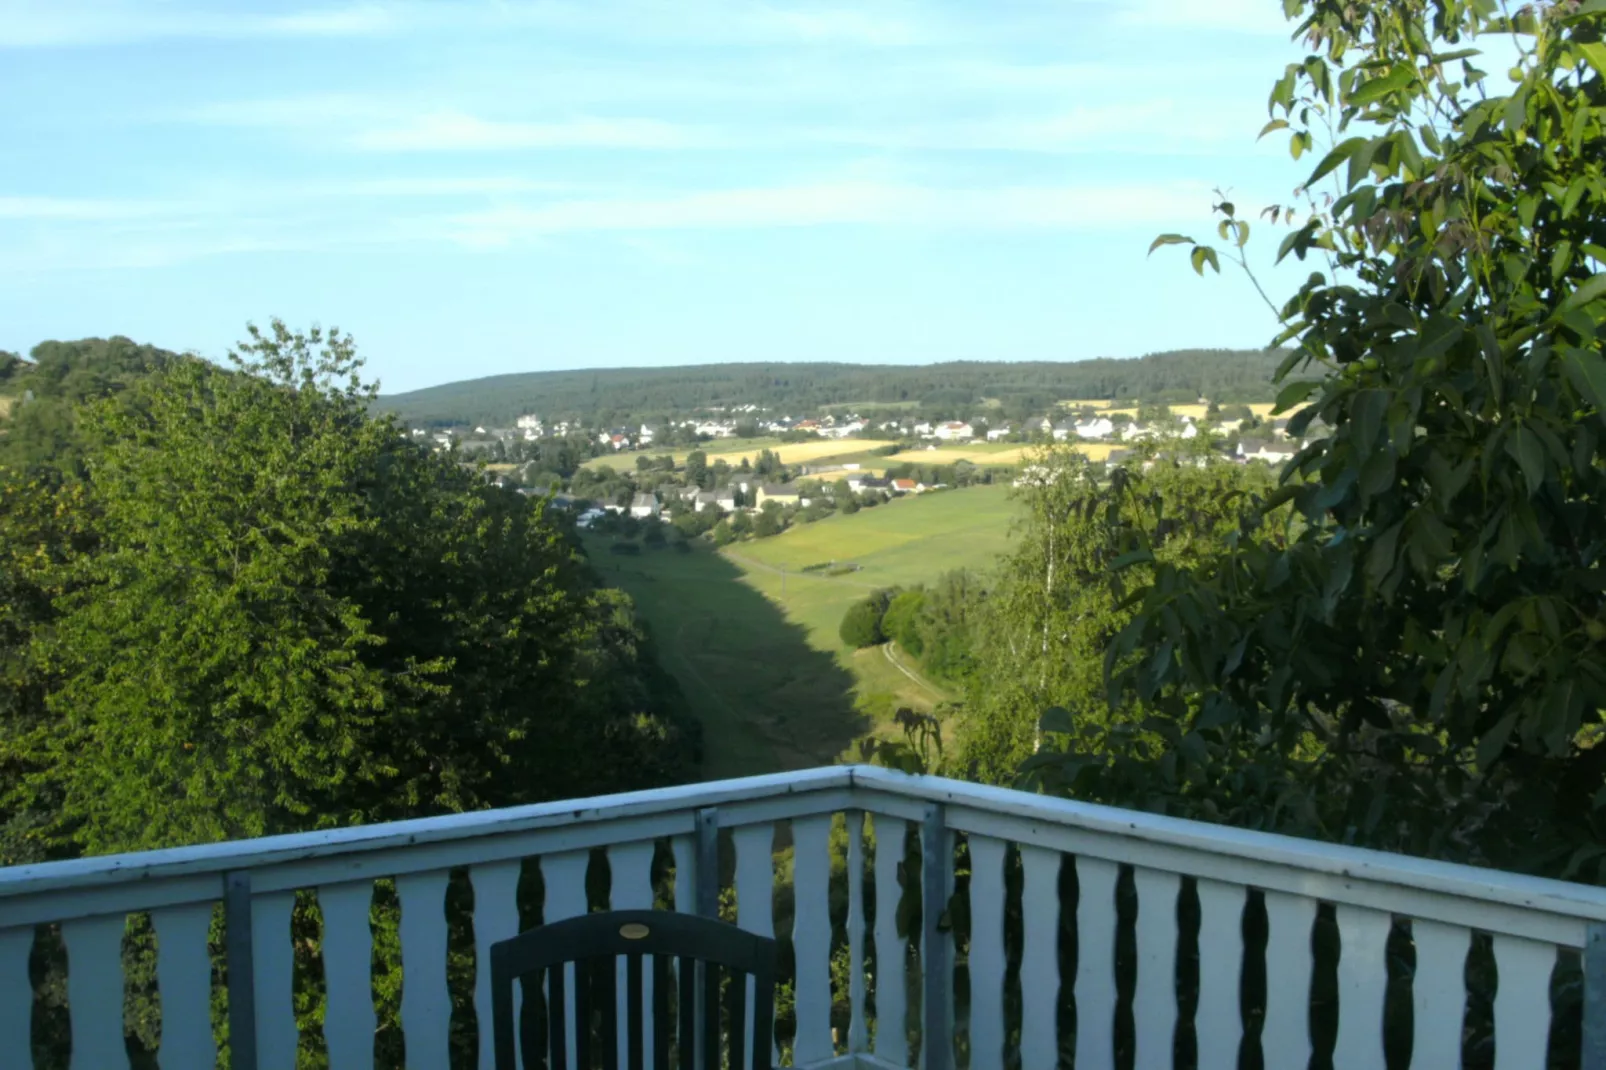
(1330, 870)
(1484, 898)
(219, 858)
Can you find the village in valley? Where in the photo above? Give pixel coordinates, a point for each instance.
(741, 463)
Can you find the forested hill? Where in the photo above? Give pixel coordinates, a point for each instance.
(1226, 375)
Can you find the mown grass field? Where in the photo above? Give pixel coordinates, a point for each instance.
(1261, 409)
(753, 640)
(855, 451)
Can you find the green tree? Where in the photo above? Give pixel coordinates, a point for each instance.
(722, 533)
(293, 617)
(697, 469)
(903, 619)
(1418, 663)
(861, 624)
(768, 522)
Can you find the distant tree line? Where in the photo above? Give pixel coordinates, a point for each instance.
(622, 395)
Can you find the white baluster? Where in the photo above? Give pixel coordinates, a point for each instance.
(1154, 1005)
(565, 878)
(1095, 963)
(273, 957)
(496, 918)
(1522, 1002)
(811, 937)
(891, 950)
(631, 866)
(1438, 992)
(348, 958)
(16, 998)
(755, 891)
(426, 1004)
(1285, 1037)
(1218, 1020)
(1040, 957)
(1362, 982)
(858, 1028)
(685, 848)
(95, 990)
(184, 982)
(986, 953)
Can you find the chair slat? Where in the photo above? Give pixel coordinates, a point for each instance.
(710, 1037)
(496, 917)
(585, 985)
(631, 866)
(687, 1038)
(660, 1012)
(556, 1026)
(635, 1012)
(738, 1014)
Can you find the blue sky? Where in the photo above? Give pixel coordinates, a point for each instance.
(477, 188)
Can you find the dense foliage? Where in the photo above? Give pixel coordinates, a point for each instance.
(1416, 661)
(617, 394)
(265, 611)
(1039, 639)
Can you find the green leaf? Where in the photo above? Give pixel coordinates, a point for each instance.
(1203, 254)
(1493, 743)
(1587, 370)
(1170, 239)
(1377, 88)
(1525, 448)
(1275, 124)
(1293, 394)
(1341, 152)
(1243, 233)
(1056, 719)
(1589, 290)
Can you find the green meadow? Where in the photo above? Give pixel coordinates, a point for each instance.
(753, 639)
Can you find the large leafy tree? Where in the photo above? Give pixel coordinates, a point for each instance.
(1421, 665)
(290, 616)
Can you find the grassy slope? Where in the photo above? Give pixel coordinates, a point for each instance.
(853, 451)
(763, 666)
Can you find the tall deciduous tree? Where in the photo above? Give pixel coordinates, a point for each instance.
(1423, 665)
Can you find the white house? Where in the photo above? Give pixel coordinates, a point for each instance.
(1099, 427)
(644, 506)
(1063, 430)
(954, 430)
(997, 434)
(1260, 449)
(645, 435)
(922, 428)
(528, 422)
(1136, 432)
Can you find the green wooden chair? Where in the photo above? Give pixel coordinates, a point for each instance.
(705, 949)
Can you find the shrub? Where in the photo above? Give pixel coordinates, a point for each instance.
(861, 625)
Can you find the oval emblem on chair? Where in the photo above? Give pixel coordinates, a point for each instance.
(634, 931)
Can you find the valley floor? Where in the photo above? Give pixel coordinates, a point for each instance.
(753, 639)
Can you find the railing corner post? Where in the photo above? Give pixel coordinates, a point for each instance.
(237, 950)
(708, 862)
(1594, 1024)
(936, 943)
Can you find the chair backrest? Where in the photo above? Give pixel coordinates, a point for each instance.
(594, 944)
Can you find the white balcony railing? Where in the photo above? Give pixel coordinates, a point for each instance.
(1019, 914)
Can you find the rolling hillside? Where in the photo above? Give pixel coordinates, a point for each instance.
(753, 640)
(1182, 376)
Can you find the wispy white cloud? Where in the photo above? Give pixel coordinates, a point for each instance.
(455, 131)
(847, 203)
(69, 23)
